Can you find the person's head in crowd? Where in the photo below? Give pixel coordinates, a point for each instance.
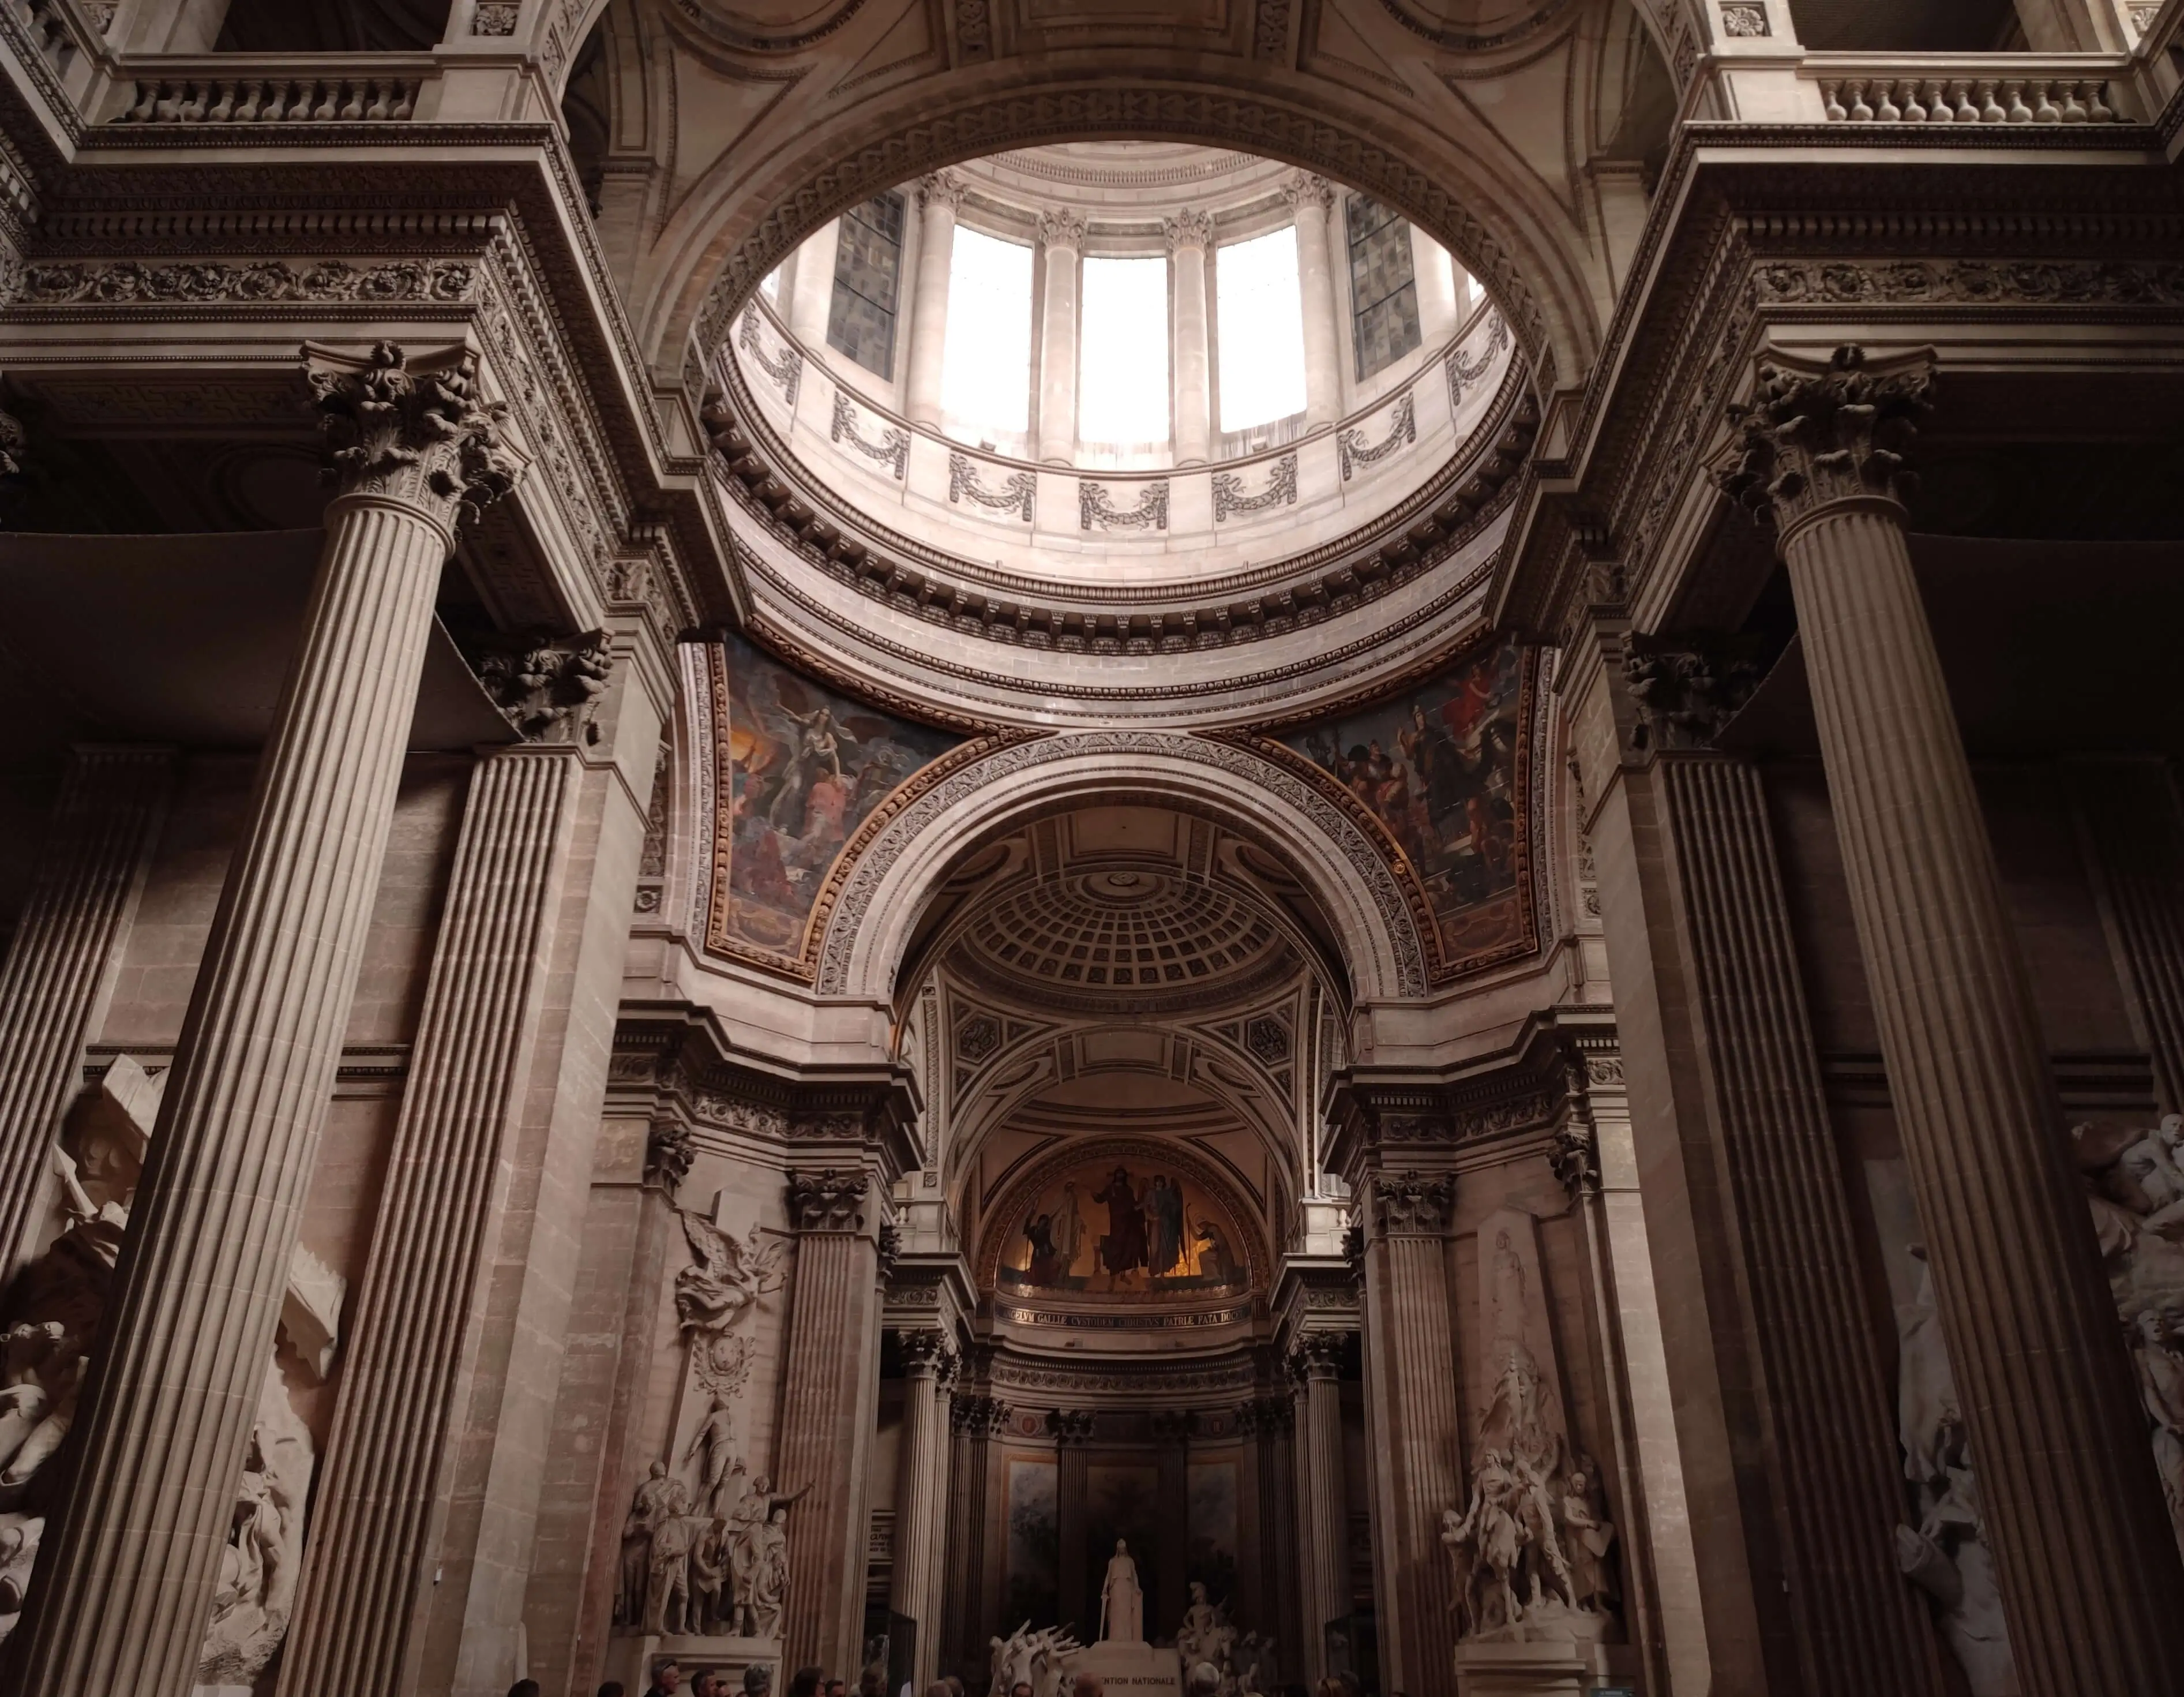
(805, 1682)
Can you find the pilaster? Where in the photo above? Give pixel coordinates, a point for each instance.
(1791, 1463)
(1189, 234)
(63, 955)
(464, 1306)
(937, 197)
(1310, 198)
(1072, 1437)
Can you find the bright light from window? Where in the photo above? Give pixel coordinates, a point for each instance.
(985, 367)
(1122, 374)
(1260, 322)
(769, 285)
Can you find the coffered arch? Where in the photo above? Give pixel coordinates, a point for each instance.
(1337, 867)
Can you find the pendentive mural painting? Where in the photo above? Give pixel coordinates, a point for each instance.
(1442, 768)
(800, 767)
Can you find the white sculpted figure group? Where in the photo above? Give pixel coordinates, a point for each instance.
(54, 1308)
(704, 1566)
(1208, 1638)
(1531, 1549)
(708, 1555)
(1038, 1658)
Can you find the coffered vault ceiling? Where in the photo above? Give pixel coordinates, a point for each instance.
(1120, 969)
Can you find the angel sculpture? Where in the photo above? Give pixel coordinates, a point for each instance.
(730, 1276)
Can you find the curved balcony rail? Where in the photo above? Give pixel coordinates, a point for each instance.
(87, 85)
(1145, 526)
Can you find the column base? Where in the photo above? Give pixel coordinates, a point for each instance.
(633, 1657)
(1548, 1665)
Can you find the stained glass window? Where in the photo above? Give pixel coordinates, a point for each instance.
(868, 283)
(1384, 290)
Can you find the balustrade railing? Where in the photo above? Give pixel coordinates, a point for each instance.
(227, 96)
(1395, 443)
(1972, 88)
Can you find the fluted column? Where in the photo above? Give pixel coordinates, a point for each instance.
(1278, 1514)
(370, 1557)
(2083, 1552)
(937, 197)
(1769, 1312)
(1189, 235)
(1061, 236)
(2133, 830)
(1322, 1505)
(811, 291)
(62, 958)
(830, 1390)
(1171, 1444)
(1311, 199)
(1410, 1360)
(167, 1414)
(973, 1421)
(921, 1484)
(1072, 1435)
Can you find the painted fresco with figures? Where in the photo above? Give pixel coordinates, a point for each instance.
(802, 768)
(1122, 1229)
(1441, 768)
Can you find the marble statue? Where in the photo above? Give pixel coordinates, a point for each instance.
(658, 1500)
(1037, 1658)
(2135, 1189)
(1946, 1555)
(755, 1533)
(1256, 1668)
(726, 1278)
(1122, 1601)
(1207, 1634)
(259, 1565)
(1532, 1551)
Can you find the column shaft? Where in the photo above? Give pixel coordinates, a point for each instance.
(1824, 1402)
(61, 960)
(1277, 1511)
(169, 1408)
(828, 1405)
(2134, 829)
(1410, 1332)
(1061, 235)
(2083, 1553)
(937, 197)
(1189, 235)
(811, 295)
(1322, 1505)
(1073, 1494)
(964, 1631)
(370, 1563)
(1164, 1611)
(1322, 371)
(920, 1480)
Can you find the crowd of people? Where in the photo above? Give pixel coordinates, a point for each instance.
(667, 1681)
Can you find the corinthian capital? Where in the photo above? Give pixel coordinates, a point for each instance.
(1301, 189)
(828, 1201)
(942, 188)
(1189, 229)
(1413, 1204)
(1817, 436)
(1061, 228)
(417, 433)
